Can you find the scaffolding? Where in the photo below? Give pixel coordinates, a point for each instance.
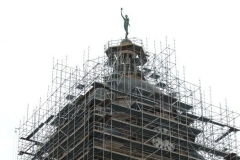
(128, 104)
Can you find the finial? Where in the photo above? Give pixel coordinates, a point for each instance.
(126, 23)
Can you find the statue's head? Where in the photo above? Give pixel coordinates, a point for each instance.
(126, 16)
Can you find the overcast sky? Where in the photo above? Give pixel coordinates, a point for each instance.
(207, 34)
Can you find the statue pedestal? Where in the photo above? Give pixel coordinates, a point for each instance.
(126, 42)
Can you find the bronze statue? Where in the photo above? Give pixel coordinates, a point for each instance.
(126, 23)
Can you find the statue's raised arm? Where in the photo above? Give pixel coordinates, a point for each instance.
(122, 14)
(126, 23)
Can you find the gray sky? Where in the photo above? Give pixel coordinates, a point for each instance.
(207, 38)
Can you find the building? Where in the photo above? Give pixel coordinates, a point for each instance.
(129, 104)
